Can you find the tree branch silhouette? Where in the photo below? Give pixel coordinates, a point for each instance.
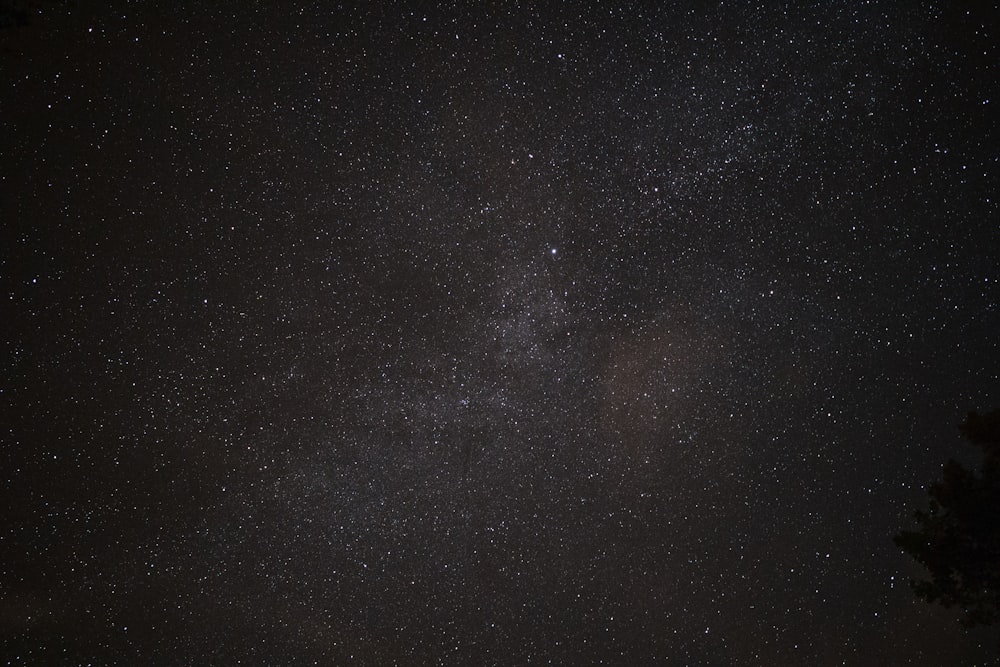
(958, 537)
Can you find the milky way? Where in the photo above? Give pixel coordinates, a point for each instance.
(460, 335)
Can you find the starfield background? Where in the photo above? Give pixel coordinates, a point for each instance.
(500, 333)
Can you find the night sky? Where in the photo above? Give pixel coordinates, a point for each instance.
(512, 333)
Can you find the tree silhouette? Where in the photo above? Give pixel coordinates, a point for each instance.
(958, 539)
